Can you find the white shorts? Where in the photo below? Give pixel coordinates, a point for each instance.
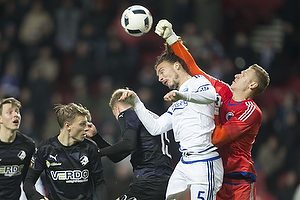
(203, 177)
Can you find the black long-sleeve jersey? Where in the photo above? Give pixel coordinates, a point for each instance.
(71, 171)
(14, 162)
(149, 154)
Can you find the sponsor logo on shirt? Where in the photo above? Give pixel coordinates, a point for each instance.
(52, 164)
(52, 161)
(179, 105)
(11, 170)
(71, 176)
(203, 88)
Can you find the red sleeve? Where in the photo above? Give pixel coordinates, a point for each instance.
(182, 52)
(220, 135)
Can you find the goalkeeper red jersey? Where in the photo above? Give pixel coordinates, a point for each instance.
(241, 120)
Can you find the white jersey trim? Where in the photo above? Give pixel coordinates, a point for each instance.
(248, 112)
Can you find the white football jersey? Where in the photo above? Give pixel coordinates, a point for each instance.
(192, 119)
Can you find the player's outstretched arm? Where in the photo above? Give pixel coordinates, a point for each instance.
(220, 136)
(153, 126)
(123, 148)
(164, 29)
(29, 185)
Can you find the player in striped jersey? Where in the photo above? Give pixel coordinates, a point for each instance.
(16, 150)
(191, 118)
(238, 122)
(72, 162)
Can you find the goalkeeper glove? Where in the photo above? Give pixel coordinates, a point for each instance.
(164, 29)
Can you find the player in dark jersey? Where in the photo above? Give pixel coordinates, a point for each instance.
(16, 150)
(72, 162)
(150, 159)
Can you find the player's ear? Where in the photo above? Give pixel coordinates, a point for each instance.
(253, 85)
(177, 65)
(67, 126)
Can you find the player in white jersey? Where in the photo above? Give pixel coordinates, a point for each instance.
(191, 116)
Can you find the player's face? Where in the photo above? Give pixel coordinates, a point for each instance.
(78, 128)
(243, 79)
(10, 117)
(167, 75)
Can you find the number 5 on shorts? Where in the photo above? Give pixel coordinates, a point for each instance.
(199, 195)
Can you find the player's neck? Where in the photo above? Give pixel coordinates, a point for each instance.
(7, 135)
(240, 96)
(65, 139)
(183, 79)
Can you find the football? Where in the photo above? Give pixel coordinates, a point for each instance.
(136, 20)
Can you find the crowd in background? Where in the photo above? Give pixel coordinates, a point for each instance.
(61, 51)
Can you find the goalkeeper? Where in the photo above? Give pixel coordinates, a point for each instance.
(237, 122)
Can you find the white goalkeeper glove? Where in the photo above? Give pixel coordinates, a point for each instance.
(218, 104)
(164, 29)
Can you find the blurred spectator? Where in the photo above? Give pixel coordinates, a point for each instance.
(116, 60)
(67, 17)
(10, 80)
(270, 159)
(83, 62)
(192, 39)
(36, 26)
(288, 184)
(208, 15)
(240, 49)
(80, 90)
(46, 65)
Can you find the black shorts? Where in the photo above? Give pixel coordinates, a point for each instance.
(147, 189)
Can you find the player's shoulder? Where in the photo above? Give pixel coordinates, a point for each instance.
(129, 119)
(198, 78)
(89, 142)
(249, 109)
(25, 138)
(48, 143)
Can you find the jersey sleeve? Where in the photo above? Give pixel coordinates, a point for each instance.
(38, 161)
(31, 150)
(204, 94)
(95, 159)
(244, 123)
(183, 53)
(29, 185)
(155, 126)
(127, 144)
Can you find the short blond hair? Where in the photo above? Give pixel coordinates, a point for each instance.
(67, 113)
(262, 79)
(116, 96)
